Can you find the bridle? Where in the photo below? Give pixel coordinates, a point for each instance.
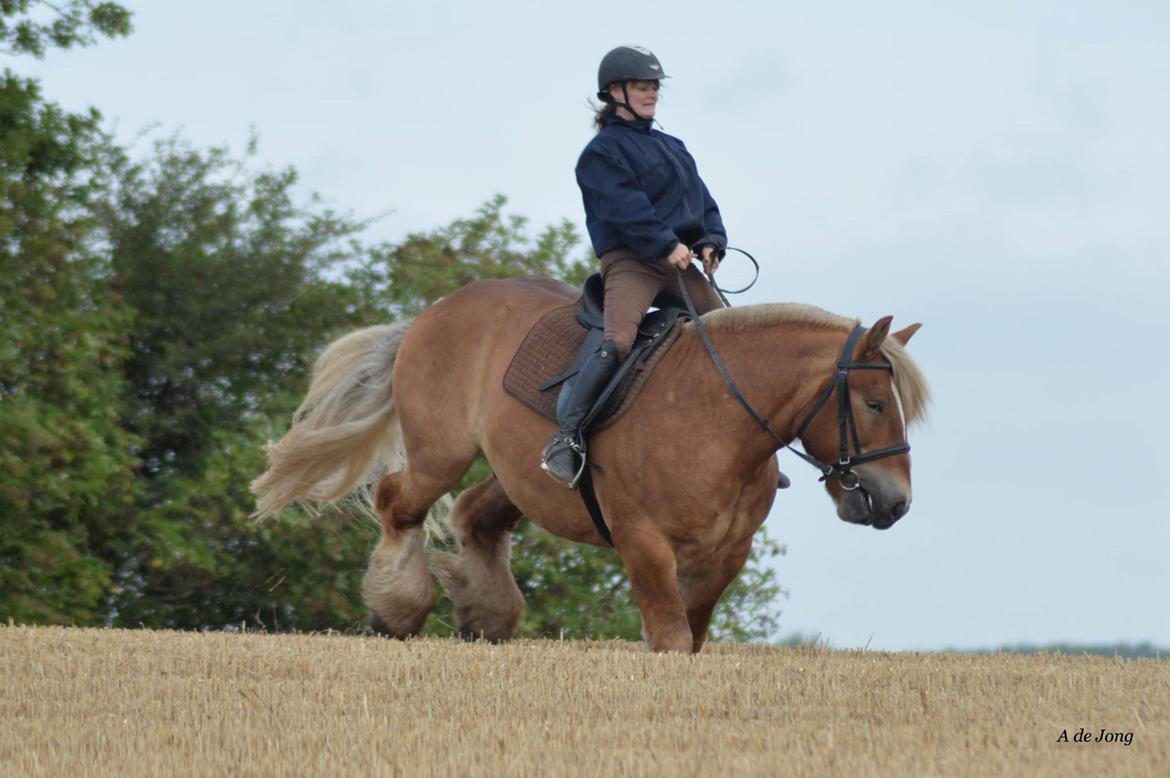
(846, 423)
(842, 469)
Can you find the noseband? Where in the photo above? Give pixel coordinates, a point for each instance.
(846, 423)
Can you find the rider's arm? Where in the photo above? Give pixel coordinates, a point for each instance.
(714, 232)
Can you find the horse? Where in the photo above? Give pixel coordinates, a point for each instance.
(684, 479)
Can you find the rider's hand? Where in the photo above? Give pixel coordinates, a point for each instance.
(710, 258)
(680, 257)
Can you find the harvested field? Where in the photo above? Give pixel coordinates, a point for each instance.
(100, 702)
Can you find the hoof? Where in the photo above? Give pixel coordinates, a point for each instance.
(380, 628)
(476, 636)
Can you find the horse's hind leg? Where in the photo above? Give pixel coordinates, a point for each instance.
(398, 588)
(478, 579)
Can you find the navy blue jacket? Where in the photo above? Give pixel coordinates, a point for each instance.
(642, 191)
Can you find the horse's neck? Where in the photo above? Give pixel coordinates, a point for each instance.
(778, 369)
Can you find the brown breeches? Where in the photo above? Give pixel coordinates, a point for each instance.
(632, 283)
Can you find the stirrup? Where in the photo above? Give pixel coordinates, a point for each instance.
(566, 443)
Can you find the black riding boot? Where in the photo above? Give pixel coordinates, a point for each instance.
(564, 456)
(782, 482)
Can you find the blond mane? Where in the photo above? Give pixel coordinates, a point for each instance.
(908, 379)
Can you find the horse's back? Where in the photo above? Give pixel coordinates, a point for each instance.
(522, 290)
(494, 308)
(472, 333)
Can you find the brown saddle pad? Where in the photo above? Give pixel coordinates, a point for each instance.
(549, 349)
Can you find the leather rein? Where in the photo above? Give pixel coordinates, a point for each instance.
(842, 469)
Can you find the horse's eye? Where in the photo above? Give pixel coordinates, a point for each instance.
(877, 406)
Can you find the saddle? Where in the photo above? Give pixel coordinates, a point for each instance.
(561, 340)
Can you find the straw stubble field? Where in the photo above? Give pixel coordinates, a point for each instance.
(101, 702)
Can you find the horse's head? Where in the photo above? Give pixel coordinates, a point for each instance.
(866, 435)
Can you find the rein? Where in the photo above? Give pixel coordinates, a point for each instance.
(724, 292)
(847, 424)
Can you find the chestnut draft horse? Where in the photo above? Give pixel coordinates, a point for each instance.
(684, 479)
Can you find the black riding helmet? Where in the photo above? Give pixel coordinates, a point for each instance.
(627, 63)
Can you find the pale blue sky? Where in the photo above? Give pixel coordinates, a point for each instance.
(996, 170)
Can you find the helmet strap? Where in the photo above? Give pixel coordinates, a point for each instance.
(626, 104)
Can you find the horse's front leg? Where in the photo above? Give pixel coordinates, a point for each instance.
(701, 591)
(651, 565)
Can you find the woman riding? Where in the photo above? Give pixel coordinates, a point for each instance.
(648, 214)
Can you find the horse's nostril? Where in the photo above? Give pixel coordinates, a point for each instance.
(899, 510)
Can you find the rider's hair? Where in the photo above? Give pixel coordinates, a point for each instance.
(601, 114)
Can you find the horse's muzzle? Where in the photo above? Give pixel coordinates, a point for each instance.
(885, 521)
(879, 502)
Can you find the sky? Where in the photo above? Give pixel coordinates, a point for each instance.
(999, 171)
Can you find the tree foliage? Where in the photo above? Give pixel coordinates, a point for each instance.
(227, 277)
(32, 26)
(406, 277)
(67, 463)
(201, 562)
(234, 287)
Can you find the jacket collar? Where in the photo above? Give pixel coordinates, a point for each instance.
(639, 125)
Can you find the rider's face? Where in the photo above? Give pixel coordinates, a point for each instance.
(643, 97)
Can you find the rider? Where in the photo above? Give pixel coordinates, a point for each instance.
(648, 213)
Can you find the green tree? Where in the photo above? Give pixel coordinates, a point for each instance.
(31, 26)
(227, 277)
(406, 277)
(201, 562)
(234, 287)
(67, 464)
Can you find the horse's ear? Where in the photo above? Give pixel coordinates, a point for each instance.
(903, 336)
(871, 342)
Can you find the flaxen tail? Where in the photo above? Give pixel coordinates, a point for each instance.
(345, 429)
